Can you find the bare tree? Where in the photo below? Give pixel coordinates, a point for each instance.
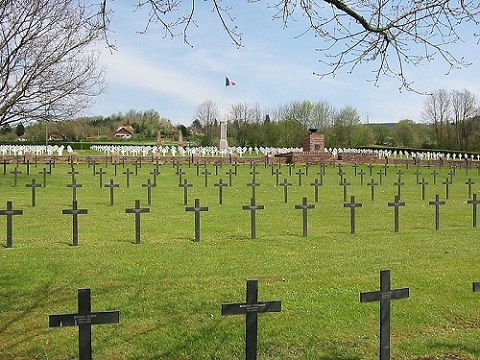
(207, 114)
(390, 34)
(464, 109)
(47, 67)
(436, 111)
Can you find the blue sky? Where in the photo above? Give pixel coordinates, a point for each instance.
(273, 68)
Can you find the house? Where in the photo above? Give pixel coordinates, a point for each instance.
(124, 132)
(55, 136)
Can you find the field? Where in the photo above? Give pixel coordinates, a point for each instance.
(169, 289)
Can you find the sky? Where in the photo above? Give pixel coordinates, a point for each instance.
(274, 67)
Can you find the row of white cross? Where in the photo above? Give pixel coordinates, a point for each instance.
(49, 150)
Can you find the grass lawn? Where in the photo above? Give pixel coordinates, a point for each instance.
(169, 289)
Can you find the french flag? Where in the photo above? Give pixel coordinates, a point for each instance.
(229, 82)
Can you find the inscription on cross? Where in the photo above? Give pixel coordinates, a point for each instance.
(251, 308)
(10, 212)
(197, 209)
(84, 319)
(396, 203)
(384, 296)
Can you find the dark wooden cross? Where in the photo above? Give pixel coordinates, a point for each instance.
(149, 185)
(474, 202)
(93, 162)
(180, 173)
(74, 187)
(476, 287)
(27, 164)
(285, 185)
(100, 173)
(344, 183)
(417, 173)
(399, 184)
(74, 211)
(437, 203)
(251, 308)
(137, 163)
(372, 185)
(185, 186)
(33, 185)
(352, 205)
(370, 168)
(434, 173)
(137, 210)
(341, 174)
(290, 165)
(44, 173)
(217, 164)
(469, 183)
(254, 173)
(230, 172)
(155, 173)
(5, 162)
(206, 173)
(128, 173)
(397, 203)
(220, 185)
(197, 165)
(381, 174)
(84, 319)
(115, 164)
(111, 185)
(317, 183)
(384, 296)
(253, 210)
(276, 173)
(361, 173)
(304, 207)
(355, 166)
(253, 184)
(300, 173)
(10, 212)
(447, 182)
(72, 173)
(15, 176)
(423, 183)
(197, 208)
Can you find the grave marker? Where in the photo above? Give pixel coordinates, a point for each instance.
(437, 203)
(304, 207)
(446, 183)
(423, 183)
(474, 202)
(149, 185)
(276, 173)
(399, 184)
(206, 173)
(361, 173)
(253, 184)
(434, 173)
(137, 210)
(72, 173)
(384, 296)
(317, 183)
(128, 173)
(396, 203)
(344, 183)
(220, 186)
(10, 212)
(111, 185)
(84, 319)
(180, 173)
(33, 185)
(352, 205)
(44, 173)
(300, 173)
(372, 185)
(74, 211)
(74, 187)
(230, 172)
(253, 208)
(469, 183)
(285, 185)
(251, 308)
(197, 208)
(185, 186)
(15, 176)
(100, 173)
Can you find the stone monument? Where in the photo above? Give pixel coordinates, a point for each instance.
(223, 143)
(180, 138)
(314, 141)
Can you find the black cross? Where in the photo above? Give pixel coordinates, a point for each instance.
(198, 168)
(111, 185)
(137, 210)
(469, 183)
(155, 173)
(149, 185)
(399, 184)
(253, 224)
(15, 176)
(185, 186)
(74, 211)
(384, 296)
(397, 203)
(434, 173)
(137, 163)
(220, 185)
(27, 163)
(446, 183)
(437, 204)
(94, 163)
(5, 162)
(317, 183)
(352, 205)
(423, 183)
(73, 173)
(180, 173)
(253, 184)
(217, 165)
(418, 173)
(381, 174)
(115, 164)
(254, 172)
(206, 173)
(128, 173)
(74, 187)
(230, 172)
(355, 166)
(476, 287)
(290, 165)
(370, 168)
(84, 319)
(44, 173)
(9, 212)
(197, 208)
(340, 173)
(101, 173)
(300, 173)
(251, 308)
(33, 185)
(474, 203)
(285, 185)
(276, 173)
(344, 183)
(305, 208)
(372, 185)
(361, 173)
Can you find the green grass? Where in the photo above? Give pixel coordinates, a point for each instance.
(169, 289)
